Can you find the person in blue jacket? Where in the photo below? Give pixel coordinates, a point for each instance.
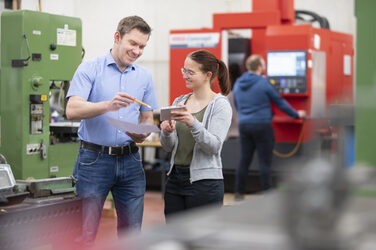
(253, 94)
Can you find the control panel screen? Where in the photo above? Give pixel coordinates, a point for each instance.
(286, 71)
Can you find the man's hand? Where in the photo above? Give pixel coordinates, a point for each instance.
(138, 138)
(120, 100)
(302, 113)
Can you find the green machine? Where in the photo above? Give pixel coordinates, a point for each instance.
(39, 55)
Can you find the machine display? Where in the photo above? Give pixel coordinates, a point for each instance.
(287, 71)
(39, 55)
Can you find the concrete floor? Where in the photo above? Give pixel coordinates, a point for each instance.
(153, 215)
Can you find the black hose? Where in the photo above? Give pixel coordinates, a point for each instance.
(323, 21)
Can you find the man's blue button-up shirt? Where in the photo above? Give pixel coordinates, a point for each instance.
(100, 80)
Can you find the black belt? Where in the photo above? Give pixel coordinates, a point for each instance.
(131, 148)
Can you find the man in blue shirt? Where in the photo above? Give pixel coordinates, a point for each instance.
(108, 158)
(253, 94)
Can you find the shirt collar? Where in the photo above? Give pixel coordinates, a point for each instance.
(110, 60)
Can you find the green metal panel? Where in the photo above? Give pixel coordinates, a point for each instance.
(17, 83)
(365, 116)
(59, 164)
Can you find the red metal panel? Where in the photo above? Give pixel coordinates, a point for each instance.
(340, 86)
(284, 7)
(258, 44)
(177, 58)
(265, 5)
(246, 20)
(287, 11)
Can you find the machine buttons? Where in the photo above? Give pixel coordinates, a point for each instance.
(53, 46)
(33, 149)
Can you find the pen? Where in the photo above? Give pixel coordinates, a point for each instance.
(142, 103)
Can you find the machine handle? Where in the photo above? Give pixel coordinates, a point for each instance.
(43, 151)
(23, 62)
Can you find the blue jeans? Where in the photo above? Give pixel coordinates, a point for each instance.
(253, 137)
(99, 173)
(181, 194)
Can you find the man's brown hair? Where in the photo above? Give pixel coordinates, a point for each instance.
(133, 22)
(253, 62)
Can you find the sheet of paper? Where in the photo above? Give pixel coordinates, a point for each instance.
(132, 128)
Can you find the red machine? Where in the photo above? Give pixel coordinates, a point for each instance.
(311, 68)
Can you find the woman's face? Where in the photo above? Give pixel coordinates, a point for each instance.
(193, 76)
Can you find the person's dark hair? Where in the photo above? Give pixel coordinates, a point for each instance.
(133, 22)
(209, 63)
(253, 62)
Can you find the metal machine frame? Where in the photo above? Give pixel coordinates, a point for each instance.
(39, 55)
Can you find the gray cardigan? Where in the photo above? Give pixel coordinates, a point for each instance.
(209, 136)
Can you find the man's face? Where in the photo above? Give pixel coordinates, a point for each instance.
(128, 48)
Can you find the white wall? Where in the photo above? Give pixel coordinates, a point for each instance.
(340, 13)
(100, 19)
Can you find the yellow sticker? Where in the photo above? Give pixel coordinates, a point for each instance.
(43, 98)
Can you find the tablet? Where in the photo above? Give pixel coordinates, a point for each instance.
(166, 112)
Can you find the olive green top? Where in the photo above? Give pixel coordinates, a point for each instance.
(184, 152)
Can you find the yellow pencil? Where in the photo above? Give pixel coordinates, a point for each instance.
(142, 103)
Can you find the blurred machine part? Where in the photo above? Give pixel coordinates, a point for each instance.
(9, 191)
(39, 55)
(38, 214)
(50, 187)
(341, 120)
(317, 210)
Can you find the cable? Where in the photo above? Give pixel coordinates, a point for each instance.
(323, 21)
(295, 149)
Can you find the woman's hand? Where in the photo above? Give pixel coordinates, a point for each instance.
(183, 116)
(168, 126)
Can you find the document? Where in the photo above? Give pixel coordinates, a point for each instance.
(131, 127)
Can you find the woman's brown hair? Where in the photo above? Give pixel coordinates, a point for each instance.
(209, 63)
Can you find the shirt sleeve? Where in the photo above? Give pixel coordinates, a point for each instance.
(150, 96)
(82, 81)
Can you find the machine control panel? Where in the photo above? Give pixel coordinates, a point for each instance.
(287, 71)
(36, 113)
(289, 85)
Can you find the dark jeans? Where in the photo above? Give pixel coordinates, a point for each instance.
(253, 137)
(181, 195)
(97, 174)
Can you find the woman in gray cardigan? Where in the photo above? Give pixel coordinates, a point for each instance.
(196, 134)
